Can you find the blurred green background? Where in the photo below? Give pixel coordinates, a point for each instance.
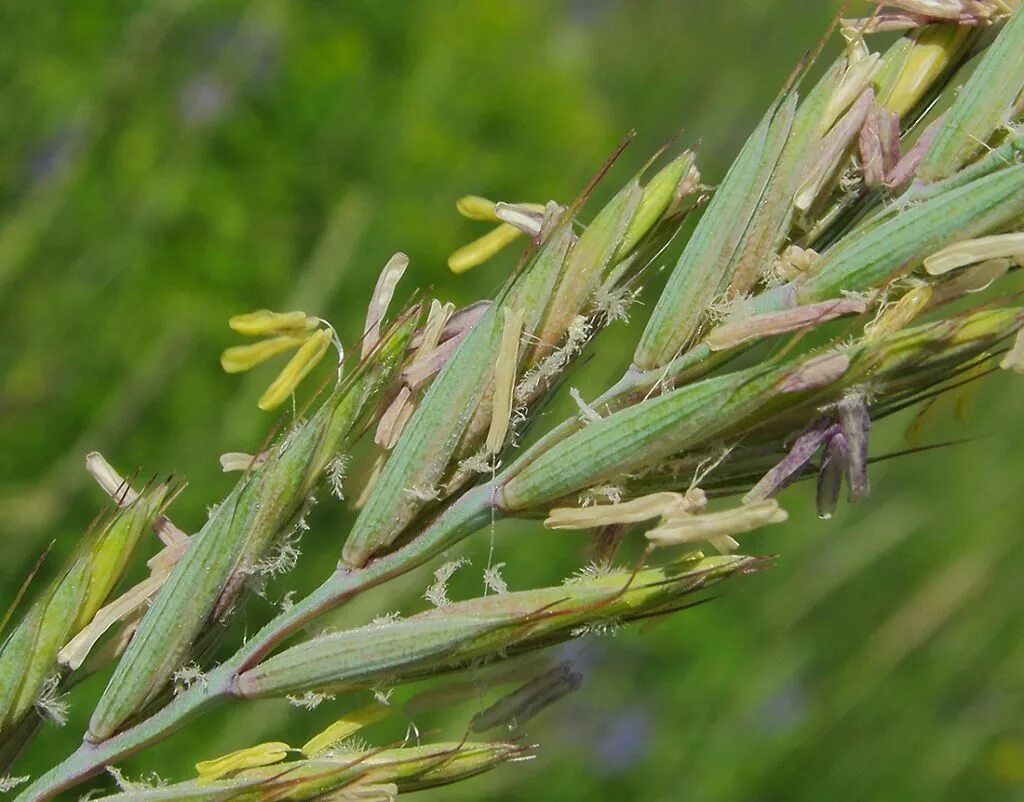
(169, 163)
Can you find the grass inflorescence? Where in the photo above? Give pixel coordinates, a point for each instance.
(851, 262)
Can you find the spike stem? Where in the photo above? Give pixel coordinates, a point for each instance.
(461, 519)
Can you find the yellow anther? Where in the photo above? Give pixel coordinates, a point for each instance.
(716, 527)
(240, 358)
(899, 315)
(794, 262)
(266, 754)
(972, 251)
(932, 53)
(263, 322)
(345, 727)
(644, 508)
(305, 359)
(480, 250)
(476, 208)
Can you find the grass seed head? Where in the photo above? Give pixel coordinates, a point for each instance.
(28, 657)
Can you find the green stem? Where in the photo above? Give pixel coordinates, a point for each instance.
(472, 511)
(90, 759)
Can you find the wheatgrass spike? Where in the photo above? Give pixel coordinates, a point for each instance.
(350, 775)
(444, 640)
(261, 509)
(814, 220)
